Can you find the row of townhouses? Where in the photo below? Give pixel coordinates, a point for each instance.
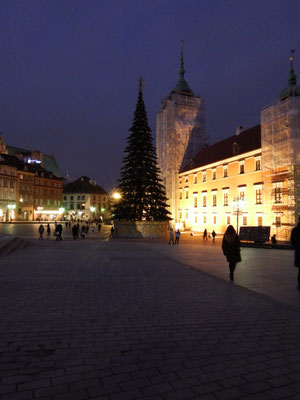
(32, 189)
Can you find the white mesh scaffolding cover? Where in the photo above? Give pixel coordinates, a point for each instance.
(280, 129)
(180, 135)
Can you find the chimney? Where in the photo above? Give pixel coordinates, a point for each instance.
(238, 130)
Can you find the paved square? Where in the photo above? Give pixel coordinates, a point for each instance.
(143, 320)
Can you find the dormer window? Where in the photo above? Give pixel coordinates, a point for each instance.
(235, 148)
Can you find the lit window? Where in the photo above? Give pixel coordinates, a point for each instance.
(242, 195)
(242, 168)
(204, 219)
(214, 174)
(278, 194)
(195, 179)
(244, 220)
(186, 194)
(225, 199)
(278, 220)
(214, 200)
(195, 201)
(186, 178)
(196, 219)
(228, 219)
(258, 195)
(180, 214)
(204, 177)
(259, 220)
(258, 164)
(225, 171)
(180, 194)
(186, 215)
(214, 219)
(204, 201)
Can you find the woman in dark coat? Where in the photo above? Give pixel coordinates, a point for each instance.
(295, 242)
(231, 248)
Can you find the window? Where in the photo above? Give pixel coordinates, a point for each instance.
(244, 219)
(214, 199)
(225, 170)
(180, 181)
(186, 178)
(225, 197)
(48, 202)
(228, 219)
(195, 201)
(12, 183)
(78, 206)
(258, 195)
(204, 177)
(186, 193)
(196, 219)
(71, 198)
(83, 197)
(5, 183)
(204, 201)
(278, 194)
(180, 214)
(195, 178)
(277, 220)
(71, 206)
(259, 220)
(214, 174)
(258, 164)
(186, 215)
(58, 202)
(242, 168)
(242, 195)
(204, 219)
(78, 197)
(180, 194)
(214, 219)
(65, 197)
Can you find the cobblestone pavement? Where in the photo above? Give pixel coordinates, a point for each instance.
(129, 320)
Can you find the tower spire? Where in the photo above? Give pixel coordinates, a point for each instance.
(182, 70)
(182, 86)
(293, 89)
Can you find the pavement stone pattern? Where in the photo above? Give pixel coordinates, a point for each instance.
(114, 320)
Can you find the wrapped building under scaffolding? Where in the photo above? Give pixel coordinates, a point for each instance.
(280, 140)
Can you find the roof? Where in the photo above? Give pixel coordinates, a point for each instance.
(49, 162)
(84, 184)
(13, 161)
(246, 141)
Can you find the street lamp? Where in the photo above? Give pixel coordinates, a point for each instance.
(116, 196)
(238, 205)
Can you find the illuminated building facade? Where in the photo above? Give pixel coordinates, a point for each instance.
(85, 200)
(258, 168)
(180, 135)
(27, 190)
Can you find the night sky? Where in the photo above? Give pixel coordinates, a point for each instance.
(69, 70)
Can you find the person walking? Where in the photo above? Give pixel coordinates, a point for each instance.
(82, 232)
(213, 234)
(295, 242)
(112, 232)
(58, 231)
(48, 229)
(205, 234)
(99, 227)
(75, 232)
(231, 249)
(41, 232)
(171, 236)
(177, 236)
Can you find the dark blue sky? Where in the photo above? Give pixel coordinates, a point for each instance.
(69, 69)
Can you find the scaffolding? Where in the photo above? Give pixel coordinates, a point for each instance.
(180, 135)
(280, 140)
